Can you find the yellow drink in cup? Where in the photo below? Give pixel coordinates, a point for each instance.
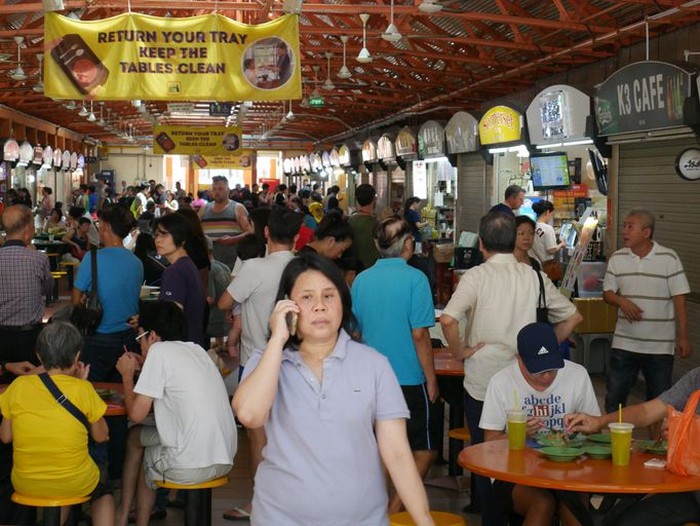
(517, 429)
(621, 442)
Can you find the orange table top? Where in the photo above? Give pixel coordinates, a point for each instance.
(529, 468)
(115, 404)
(446, 364)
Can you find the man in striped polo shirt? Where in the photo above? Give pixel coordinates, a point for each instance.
(224, 221)
(647, 284)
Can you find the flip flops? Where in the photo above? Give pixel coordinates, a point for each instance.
(236, 514)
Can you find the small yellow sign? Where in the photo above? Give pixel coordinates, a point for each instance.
(243, 160)
(500, 124)
(192, 140)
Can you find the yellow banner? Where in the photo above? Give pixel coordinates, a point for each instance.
(500, 125)
(134, 56)
(191, 140)
(241, 161)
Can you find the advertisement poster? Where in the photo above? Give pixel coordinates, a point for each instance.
(193, 140)
(208, 57)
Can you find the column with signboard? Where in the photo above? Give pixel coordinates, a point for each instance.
(461, 138)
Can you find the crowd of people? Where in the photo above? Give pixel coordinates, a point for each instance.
(329, 323)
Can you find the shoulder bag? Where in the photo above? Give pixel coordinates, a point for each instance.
(97, 451)
(542, 310)
(85, 317)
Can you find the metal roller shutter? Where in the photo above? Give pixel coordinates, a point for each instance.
(647, 178)
(472, 201)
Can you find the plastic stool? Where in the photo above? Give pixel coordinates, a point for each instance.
(459, 433)
(52, 505)
(197, 499)
(441, 518)
(69, 267)
(588, 342)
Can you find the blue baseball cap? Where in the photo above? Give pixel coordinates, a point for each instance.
(539, 349)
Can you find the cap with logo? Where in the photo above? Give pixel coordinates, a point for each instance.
(539, 349)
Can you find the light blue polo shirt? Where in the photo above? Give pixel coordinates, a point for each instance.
(390, 299)
(321, 464)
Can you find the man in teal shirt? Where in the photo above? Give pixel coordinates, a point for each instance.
(394, 307)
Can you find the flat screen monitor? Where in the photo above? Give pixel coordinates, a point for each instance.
(549, 171)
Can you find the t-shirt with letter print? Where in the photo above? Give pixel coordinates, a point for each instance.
(570, 392)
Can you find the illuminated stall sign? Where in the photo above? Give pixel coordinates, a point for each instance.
(288, 166)
(385, 148)
(326, 159)
(461, 133)
(369, 151)
(10, 150)
(335, 157)
(558, 114)
(344, 155)
(406, 144)
(431, 140)
(499, 125)
(643, 96)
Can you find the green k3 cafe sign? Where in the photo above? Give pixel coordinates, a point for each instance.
(643, 96)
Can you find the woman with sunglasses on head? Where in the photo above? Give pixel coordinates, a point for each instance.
(332, 410)
(181, 282)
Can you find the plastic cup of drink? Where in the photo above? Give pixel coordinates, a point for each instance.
(517, 429)
(51, 238)
(621, 442)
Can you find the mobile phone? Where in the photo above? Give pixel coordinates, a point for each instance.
(80, 64)
(292, 319)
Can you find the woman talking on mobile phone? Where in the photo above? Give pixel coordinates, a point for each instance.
(332, 410)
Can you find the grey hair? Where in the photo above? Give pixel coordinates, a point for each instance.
(647, 217)
(58, 344)
(390, 236)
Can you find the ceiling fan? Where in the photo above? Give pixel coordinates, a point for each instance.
(18, 73)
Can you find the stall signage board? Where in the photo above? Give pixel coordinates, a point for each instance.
(10, 150)
(369, 151)
(558, 114)
(385, 149)
(406, 143)
(431, 140)
(461, 132)
(688, 164)
(335, 157)
(344, 155)
(207, 57)
(193, 140)
(38, 155)
(642, 96)
(499, 125)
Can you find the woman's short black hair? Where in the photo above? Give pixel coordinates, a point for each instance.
(314, 261)
(58, 344)
(176, 225)
(410, 202)
(334, 224)
(522, 220)
(165, 318)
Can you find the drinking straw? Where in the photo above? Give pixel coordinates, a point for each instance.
(619, 413)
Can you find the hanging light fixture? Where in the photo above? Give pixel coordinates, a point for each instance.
(391, 33)
(363, 56)
(71, 105)
(39, 86)
(430, 7)
(344, 72)
(328, 84)
(83, 111)
(101, 122)
(91, 116)
(290, 115)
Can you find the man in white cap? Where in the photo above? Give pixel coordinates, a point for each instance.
(546, 387)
